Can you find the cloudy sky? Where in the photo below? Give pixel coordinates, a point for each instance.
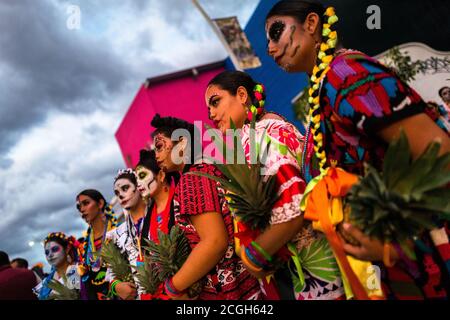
(64, 92)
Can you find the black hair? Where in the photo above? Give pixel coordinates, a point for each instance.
(126, 175)
(147, 159)
(64, 241)
(21, 263)
(231, 80)
(4, 259)
(442, 89)
(94, 195)
(298, 9)
(167, 125)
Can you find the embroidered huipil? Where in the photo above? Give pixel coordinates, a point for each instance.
(319, 268)
(359, 97)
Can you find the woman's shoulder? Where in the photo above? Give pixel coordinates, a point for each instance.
(349, 63)
(351, 56)
(271, 123)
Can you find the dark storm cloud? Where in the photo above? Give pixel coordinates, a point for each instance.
(44, 66)
(47, 70)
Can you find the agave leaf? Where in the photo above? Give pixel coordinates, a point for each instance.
(61, 292)
(407, 198)
(437, 177)
(119, 265)
(218, 140)
(227, 185)
(396, 161)
(418, 170)
(147, 276)
(239, 152)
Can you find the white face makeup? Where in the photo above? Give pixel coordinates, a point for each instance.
(284, 35)
(146, 182)
(54, 252)
(127, 193)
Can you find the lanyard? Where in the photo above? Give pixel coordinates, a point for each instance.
(136, 235)
(92, 248)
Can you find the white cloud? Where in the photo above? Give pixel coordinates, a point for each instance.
(73, 147)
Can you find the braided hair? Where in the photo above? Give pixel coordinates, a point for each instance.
(107, 210)
(300, 9)
(230, 81)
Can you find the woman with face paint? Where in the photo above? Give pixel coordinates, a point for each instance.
(61, 254)
(99, 216)
(130, 236)
(357, 106)
(156, 187)
(231, 96)
(202, 213)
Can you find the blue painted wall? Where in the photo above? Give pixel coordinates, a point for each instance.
(281, 87)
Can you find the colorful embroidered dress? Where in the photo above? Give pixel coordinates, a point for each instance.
(129, 238)
(319, 276)
(94, 285)
(228, 280)
(71, 281)
(358, 97)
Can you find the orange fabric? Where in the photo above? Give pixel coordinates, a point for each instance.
(336, 183)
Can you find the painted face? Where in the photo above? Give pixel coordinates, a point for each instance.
(127, 193)
(223, 106)
(146, 180)
(55, 254)
(445, 93)
(88, 208)
(289, 45)
(169, 154)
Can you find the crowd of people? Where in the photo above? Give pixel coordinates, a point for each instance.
(357, 107)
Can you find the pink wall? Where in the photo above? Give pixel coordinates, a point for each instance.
(182, 98)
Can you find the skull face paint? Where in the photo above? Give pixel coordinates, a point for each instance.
(163, 150)
(54, 252)
(127, 193)
(287, 43)
(146, 182)
(276, 30)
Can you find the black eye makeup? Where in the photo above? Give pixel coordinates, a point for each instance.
(213, 101)
(276, 30)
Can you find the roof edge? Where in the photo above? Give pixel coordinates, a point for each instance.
(194, 72)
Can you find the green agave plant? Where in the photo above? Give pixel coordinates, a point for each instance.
(169, 255)
(147, 276)
(408, 197)
(250, 195)
(61, 292)
(118, 263)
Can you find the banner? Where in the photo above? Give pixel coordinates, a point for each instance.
(238, 42)
(428, 70)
